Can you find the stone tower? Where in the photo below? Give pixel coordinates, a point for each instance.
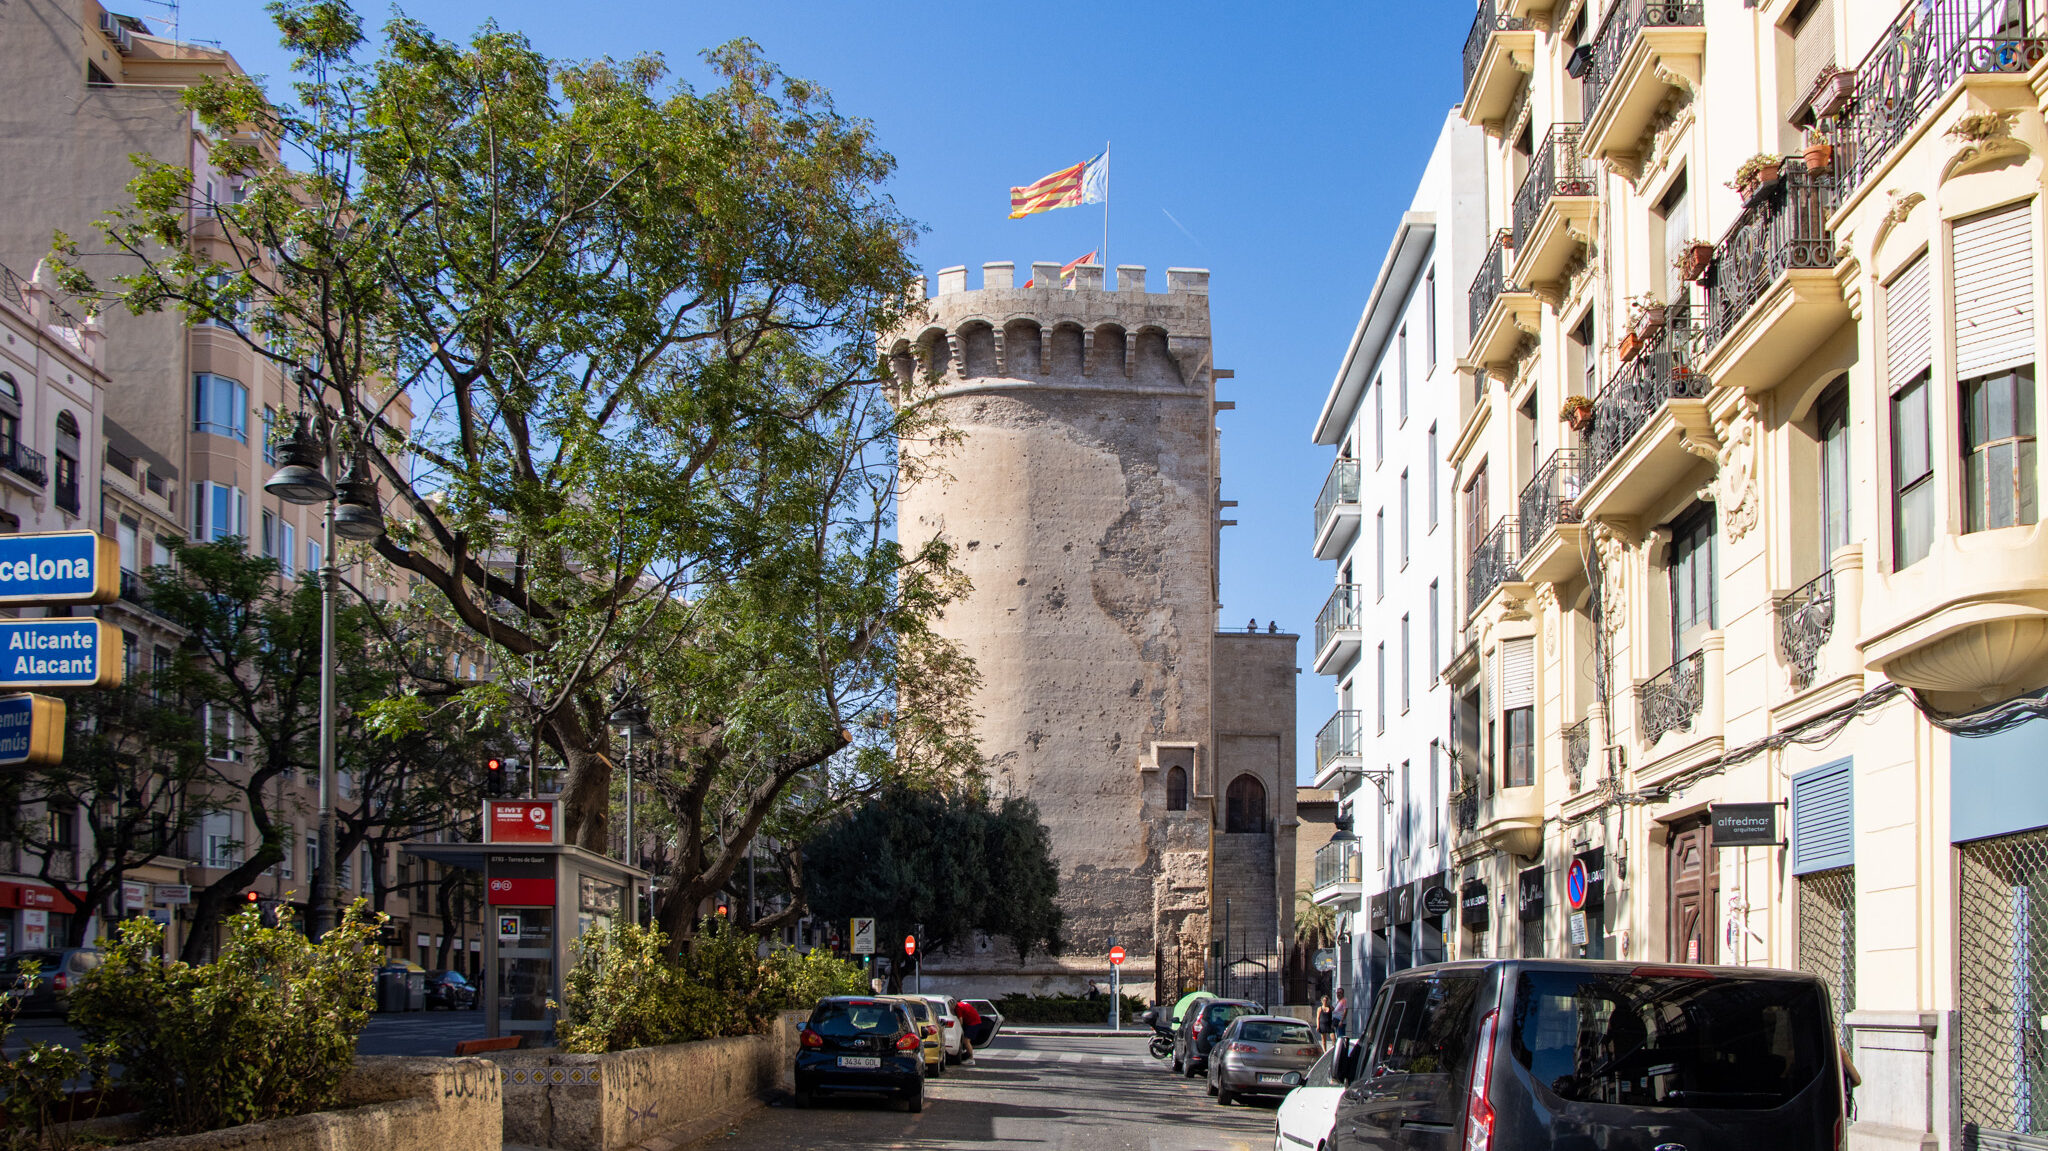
(1083, 501)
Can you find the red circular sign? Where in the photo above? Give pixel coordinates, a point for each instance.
(1575, 885)
(910, 945)
(1116, 955)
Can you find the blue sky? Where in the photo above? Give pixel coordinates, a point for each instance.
(1284, 138)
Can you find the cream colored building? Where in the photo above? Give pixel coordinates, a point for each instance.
(1789, 552)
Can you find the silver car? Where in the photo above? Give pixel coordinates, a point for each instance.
(1255, 1053)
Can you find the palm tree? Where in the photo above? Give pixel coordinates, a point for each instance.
(1315, 924)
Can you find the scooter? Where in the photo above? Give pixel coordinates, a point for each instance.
(1162, 1035)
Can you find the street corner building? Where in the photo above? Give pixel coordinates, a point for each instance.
(1084, 504)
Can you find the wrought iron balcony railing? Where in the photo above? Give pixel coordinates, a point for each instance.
(1552, 497)
(24, 462)
(1671, 699)
(1781, 228)
(1662, 371)
(1339, 738)
(1337, 863)
(1806, 618)
(1465, 810)
(1618, 33)
(66, 495)
(1484, 25)
(1493, 563)
(1578, 749)
(132, 588)
(1557, 170)
(1487, 286)
(1924, 53)
(1340, 613)
(1340, 488)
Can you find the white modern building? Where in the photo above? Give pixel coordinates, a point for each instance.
(1385, 519)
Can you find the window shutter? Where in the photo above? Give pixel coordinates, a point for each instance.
(1909, 346)
(1813, 48)
(1517, 673)
(1994, 266)
(1823, 818)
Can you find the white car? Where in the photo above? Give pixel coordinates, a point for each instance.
(952, 1033)
(1310, 1110)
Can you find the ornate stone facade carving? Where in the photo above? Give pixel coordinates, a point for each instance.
(1612, 544)
(1736, 487)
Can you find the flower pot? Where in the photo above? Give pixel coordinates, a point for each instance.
(1833, 94)
(1650, 322)
(1630, 345)
(1695, 260)
(1579, 419)
(1567, 511)
(1819, 157)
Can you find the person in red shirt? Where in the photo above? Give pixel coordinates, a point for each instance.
(969, 1015)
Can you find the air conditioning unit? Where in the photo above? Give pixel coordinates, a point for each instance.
(124, 40)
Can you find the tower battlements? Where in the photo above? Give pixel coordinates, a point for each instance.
(1086, 336)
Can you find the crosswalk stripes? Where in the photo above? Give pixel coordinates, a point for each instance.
(1035, 1056)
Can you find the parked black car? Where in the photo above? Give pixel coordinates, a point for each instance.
(451, 990)
(1514, 1055)
(1201, 1026)
(861, 1045)
(58, 970)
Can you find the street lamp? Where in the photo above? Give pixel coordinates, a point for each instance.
(631, 719)
(352, 512)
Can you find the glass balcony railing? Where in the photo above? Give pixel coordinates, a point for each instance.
(1337, 863)
(1340, 614)
(1339, 738)
(1340, 489)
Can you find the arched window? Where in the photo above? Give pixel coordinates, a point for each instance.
(10, 419)
(1245, 805)
(67, 463)
(1176, 788)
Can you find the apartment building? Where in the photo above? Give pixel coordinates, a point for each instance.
(1752, 574)
(1387, 519)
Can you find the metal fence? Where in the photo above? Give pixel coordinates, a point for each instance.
(1827, 936)
(2003, 963)
(1671, 699)
(1246, 968)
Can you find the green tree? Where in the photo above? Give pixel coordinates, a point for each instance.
(652, 450)
(945, 860)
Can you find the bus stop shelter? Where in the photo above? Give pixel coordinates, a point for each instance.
(540, 896)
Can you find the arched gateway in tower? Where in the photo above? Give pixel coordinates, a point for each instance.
(1083, 501)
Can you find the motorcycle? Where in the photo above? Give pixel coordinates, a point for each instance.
(1162, 1035)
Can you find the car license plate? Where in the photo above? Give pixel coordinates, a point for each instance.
(868, 1062)
(1264, 1077)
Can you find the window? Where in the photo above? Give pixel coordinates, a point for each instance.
(1693, 598)
(1436, 819)
(1519, 762)
(1998, 451)
(270, 455)
(285, 548)
(312, 556)
(1404, 813)
(1401, 373)
(223, 733)
(1176, 788)
(1585, 361)
(1912, 475)
(1245, 806)
(1436, 661)
(66, 488)
(218, 512)
(1832, 415)
(1379, 421)
(220, 406)
(1674, 212)
(270, 535)
(1406, 697)
(1429, 321)
(223, 838)
(1404, 520)
(128, 536)
(1379, 528)
(10, 417)
(1383, 687)
(1429, 469)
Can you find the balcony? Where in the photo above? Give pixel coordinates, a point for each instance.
(1338, 874)
(1465, 810)
(1554, 211)
(1337, 630)
(1513, 818)
(1806, 620)
(1500, 52)
(1502, 317)
(1915, 64)
(1650, 425)
(1772, 296)
(1552, 531)
(1578, 750)
(1339, 747)
(1671, 700)
(132, 588)
(1337, 511)
(24, 462)
(1645, 49)
(1492, 564)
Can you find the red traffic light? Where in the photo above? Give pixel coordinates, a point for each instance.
(910, 945)
(494, 775)
(252, 898)
(723, 911)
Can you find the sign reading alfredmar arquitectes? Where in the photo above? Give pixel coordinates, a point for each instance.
(59, 568)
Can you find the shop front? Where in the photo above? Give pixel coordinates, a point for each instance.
(1529, 906)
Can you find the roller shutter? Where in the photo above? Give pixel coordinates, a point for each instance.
(1994, 270)
(1909, 344)
(1823, 818)
(1517, 673)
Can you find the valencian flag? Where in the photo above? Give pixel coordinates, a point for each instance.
(1067, 271)
(1085, 183)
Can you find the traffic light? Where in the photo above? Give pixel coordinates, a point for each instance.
(723, 911)
(494, 776)
(251, 898)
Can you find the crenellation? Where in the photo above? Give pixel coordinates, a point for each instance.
(953, 279)
(998, 277)
(1130, 278)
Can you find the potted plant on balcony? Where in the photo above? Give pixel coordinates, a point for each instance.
(1505, 237)
(1629, 346)
(1578, 412)
(1646, 316)
(1757, 173)
(1820, 151)
(1694, 258)
(1832, 92)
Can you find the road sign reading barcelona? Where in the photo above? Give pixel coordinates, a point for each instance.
(59, 568)
(59, 653)
(31, 730)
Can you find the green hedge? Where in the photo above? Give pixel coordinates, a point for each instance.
(1030, 1009)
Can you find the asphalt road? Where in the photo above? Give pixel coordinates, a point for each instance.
(409, 1033)
(1036, 1093)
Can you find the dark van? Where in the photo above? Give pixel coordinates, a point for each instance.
(1512, 1055)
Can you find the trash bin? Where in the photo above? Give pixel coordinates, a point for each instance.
(415, 990)
(391, 990)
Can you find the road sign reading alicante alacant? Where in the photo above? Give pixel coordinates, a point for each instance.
(59, 653)
(56, 568)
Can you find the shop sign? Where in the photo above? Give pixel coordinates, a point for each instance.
(169, 893)
(134, 895)
(1473, 899)
(42, 897)
(519, 880)
(1404, 903)
(35, 928)
(1745, 825)
(520, 821)
(1437, 901)
(1376, 912)
(1529, 894)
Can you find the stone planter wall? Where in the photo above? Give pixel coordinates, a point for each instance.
(389, 1103)
(609, 1102)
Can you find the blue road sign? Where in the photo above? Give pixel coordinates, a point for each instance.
(31, 730)
(59, 653)
(1575, 884)
(59, 568)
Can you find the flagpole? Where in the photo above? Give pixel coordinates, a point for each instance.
(1105, 208)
